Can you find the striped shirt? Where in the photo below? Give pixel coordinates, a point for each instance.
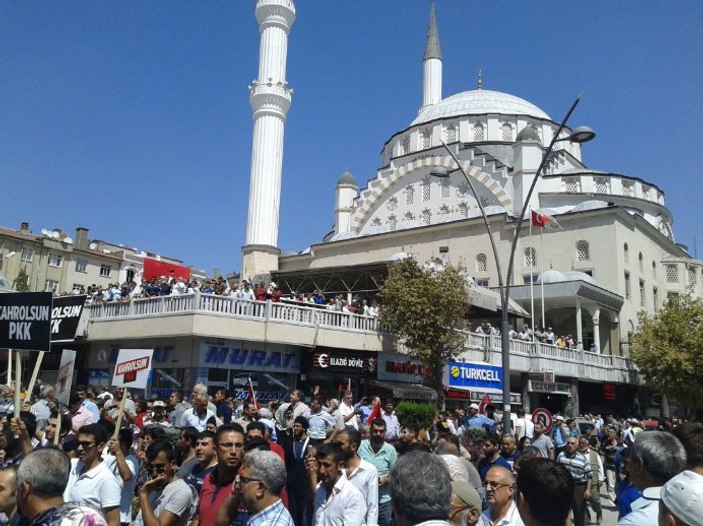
(274, 515)
(578, 465)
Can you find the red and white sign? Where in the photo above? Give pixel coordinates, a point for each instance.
(132, 368)
(544, 417)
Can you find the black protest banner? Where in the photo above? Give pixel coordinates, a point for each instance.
(65, 315)
(25, 320)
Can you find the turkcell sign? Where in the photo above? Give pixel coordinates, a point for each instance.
(475, 375)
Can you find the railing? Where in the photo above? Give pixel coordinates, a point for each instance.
(235, 307)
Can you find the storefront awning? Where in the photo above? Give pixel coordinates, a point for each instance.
(407, 391)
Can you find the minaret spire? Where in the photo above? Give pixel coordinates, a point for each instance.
(432, 65)
(270, 100)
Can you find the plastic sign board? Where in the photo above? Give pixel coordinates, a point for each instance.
(65, 376)
(474, 375)
(133, 368)
(65, 315)
(25, 320)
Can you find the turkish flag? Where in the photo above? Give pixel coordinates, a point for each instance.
(376, 413)
(539, 220)
(486, 400)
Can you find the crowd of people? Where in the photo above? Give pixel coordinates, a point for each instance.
(108, 458)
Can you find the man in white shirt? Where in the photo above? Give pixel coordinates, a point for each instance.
(523, 425)
(125, 467)
(91, 481)
(359, 472)
(337, 500)
(500, 488)
(198, 415)
(348, 410)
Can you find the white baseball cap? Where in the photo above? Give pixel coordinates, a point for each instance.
(683, 496)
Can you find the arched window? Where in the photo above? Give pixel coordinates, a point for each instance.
(626, 253)
(444, 209)
(445, 188)
(426, 188)
(376, 221)
(507, 132)
(583, 251)
(640, 258)
(425, 136)
(478, 132)
(426, 216)
(409, 216)
(481, 265)
(530, 257)
(409, 194)
(654, 269)
(451, 134)
(464, 209)
(392, 223)
(404, 146)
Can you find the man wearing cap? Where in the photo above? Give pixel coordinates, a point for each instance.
(477, 420)
(466, 506)
(681, 501)
(157, 416)
(656, 458)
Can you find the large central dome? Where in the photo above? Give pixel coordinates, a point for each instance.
(479, 102)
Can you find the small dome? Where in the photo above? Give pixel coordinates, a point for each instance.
(552, 276)
(528, 133)
(347, 178)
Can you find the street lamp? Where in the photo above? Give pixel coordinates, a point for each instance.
(580, 134)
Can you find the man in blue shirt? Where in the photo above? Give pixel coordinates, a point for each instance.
(491, 457)
(477, 420)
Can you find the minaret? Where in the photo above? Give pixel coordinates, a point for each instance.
(432, 65)
(270, 100)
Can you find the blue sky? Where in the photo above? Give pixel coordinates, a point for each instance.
(132, 118)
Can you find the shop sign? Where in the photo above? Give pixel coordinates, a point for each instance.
(249, 359)
(399, 368)
(562, 388)
(477, 396)
(477, 375)
(162, 355)
(261, 396)
(609, 392)
(346, 362)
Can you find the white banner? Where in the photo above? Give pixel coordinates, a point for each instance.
(65, 376)
(132, 368)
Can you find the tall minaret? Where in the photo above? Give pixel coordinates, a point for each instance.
(270, 100)
(432, 63)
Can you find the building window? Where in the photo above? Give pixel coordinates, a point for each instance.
(642, 295)
(571, 185)
(645, 192)
(626, 253)
(425, 137)
(481, 265)
(81, 265)
(692, 276)
(507, 132)
(462, 189)
(409, 216)
(482, 283)
(426, 216)
(55, 260)
(602, 186)
(655, 298)
(530, 257)
(654, 269)
(529, 278)
(640, 259)
(376, 222)
(392, 203)
(409, 194)
(404, 146)
(451, 134)
(464, 209)
(627, 189)
(426, 188)
(627, 286)
(672, 274)
(27, 255)
(51, 286)
(445, 188)
(478, 132)
(583, 251)
(105, 271)
(392, 223)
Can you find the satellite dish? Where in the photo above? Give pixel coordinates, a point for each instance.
(68, 240)
(46, 232)
(93, 246)
(55, 234)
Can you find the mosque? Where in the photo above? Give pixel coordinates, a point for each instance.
(607, 250)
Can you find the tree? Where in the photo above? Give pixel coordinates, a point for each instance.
(424, 307)
(668, 349)
(21, 282)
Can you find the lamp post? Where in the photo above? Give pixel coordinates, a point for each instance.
(580, 134)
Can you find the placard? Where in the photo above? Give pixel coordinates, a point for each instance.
(25, 320)
(65, 376)
(133, 368)
(65, 315)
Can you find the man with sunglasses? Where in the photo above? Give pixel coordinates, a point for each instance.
(500, 487)
(165, 499)
(91, 481)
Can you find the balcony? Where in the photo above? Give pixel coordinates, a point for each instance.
(225, 317)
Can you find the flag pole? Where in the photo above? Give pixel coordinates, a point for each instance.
(532, 280)
(541, 250)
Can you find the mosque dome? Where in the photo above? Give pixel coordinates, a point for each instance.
(552, 276)
(347, 178)
(479, 102)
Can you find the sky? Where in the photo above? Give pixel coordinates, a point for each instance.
(132, 118)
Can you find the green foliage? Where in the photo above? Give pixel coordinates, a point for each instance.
(421, 414)
(423, 308)
(21, 282)
(668, 347)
